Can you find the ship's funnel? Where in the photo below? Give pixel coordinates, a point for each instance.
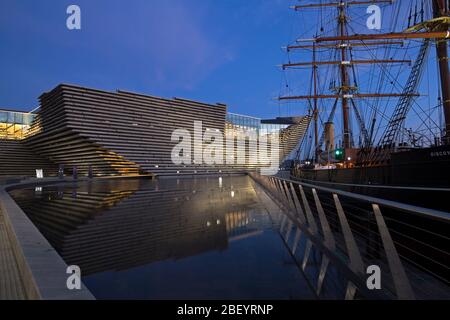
(329, 136)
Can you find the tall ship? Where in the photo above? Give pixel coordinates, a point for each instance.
(377, 85)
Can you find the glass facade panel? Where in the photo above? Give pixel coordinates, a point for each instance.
(278, 128)
(238, 121)
(15, 125)
(242, 122)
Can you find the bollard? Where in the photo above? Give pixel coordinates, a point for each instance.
(61, 171)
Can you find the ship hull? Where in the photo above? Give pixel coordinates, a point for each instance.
(420, 177)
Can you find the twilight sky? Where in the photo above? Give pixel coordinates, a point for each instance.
(213, 51)
(207, 50)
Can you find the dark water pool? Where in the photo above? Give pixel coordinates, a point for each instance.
(208, 238)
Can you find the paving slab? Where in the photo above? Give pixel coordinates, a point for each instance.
(11, 286)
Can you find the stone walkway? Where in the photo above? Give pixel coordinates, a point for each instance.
(11, 287)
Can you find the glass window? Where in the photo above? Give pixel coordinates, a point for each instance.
(3, 116)
(18, 118)
(15, 125)
(11, 117)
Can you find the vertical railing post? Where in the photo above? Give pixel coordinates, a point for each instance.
(401, 281)
(356, 262)
(312, 226)
(300, 213)
(309, 216)
(289, 197)
(329, 241)
(283, 196)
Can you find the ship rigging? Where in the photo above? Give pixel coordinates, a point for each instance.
(334, 48)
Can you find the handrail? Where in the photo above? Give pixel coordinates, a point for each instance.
(435, 214)
(290, 195)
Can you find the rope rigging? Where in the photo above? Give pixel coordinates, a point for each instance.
(384, 121)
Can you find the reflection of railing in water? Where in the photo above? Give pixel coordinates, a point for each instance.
(348, 232)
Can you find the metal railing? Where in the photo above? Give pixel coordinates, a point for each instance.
(350, 232)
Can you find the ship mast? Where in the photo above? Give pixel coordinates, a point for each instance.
(316, 109)
(440, 9)
(345, 92)
(342, 20)
(436, 29)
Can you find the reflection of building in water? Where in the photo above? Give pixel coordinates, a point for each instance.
(244, 224)
(140, 222)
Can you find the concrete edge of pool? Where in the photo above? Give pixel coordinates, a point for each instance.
(41, 270)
